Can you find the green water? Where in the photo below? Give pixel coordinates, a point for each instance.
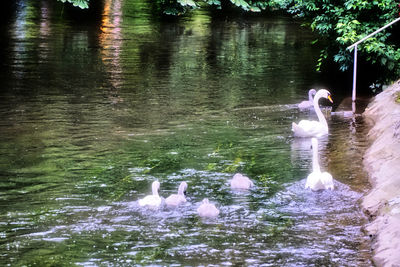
(94, 112)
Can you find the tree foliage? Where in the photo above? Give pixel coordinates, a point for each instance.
(340, 22)
(78, 3)
(347, 21)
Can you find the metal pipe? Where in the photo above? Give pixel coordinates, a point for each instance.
(355, 45)
(354, 74)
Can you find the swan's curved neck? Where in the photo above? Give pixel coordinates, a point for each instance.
(321, 117)
(154, 189)
(181, 190)
(310, 96)
(315, 163)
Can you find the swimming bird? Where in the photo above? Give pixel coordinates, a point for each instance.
(239, 181)
(154, 200)
(207, 209)
(307, 128)
(318, 180)
(177, 199)
(308, 103)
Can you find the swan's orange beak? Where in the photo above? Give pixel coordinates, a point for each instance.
(330, 98)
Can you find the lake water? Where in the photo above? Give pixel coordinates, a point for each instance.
(94, 110)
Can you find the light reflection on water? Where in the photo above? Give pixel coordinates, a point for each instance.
(276, 222)
(296, 227)
(195, 100)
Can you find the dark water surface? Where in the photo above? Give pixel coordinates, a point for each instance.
(93, 112)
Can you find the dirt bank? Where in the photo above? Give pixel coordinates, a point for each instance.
(382, 162)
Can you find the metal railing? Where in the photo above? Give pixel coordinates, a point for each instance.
(355, 45)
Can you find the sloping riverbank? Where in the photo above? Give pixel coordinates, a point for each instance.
(382, 162)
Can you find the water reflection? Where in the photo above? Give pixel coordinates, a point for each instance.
(93, 113)
(111, 41)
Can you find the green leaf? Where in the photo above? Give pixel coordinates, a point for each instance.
(214, 2)
(83, 4)
(255, 9)
(241, 3)
(190, 3)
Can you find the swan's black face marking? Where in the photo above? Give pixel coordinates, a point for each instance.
(330, 98)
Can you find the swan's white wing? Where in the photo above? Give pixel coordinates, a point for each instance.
(307, 128)
(327, 180)
(305, 104)
(151, 201)
(241, 182)
(207, 210)
(314, 181)
(175, 200)
(319, 181)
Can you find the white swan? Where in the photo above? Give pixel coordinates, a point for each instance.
(154, 200)
(307, 128)
(206, 209)
(239, 181)
(308, 103)
(177, 199)
(318, 180)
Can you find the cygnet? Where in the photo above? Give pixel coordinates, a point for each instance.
(154, 200)
(175, 200)
(207, 209)
(239, 181)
